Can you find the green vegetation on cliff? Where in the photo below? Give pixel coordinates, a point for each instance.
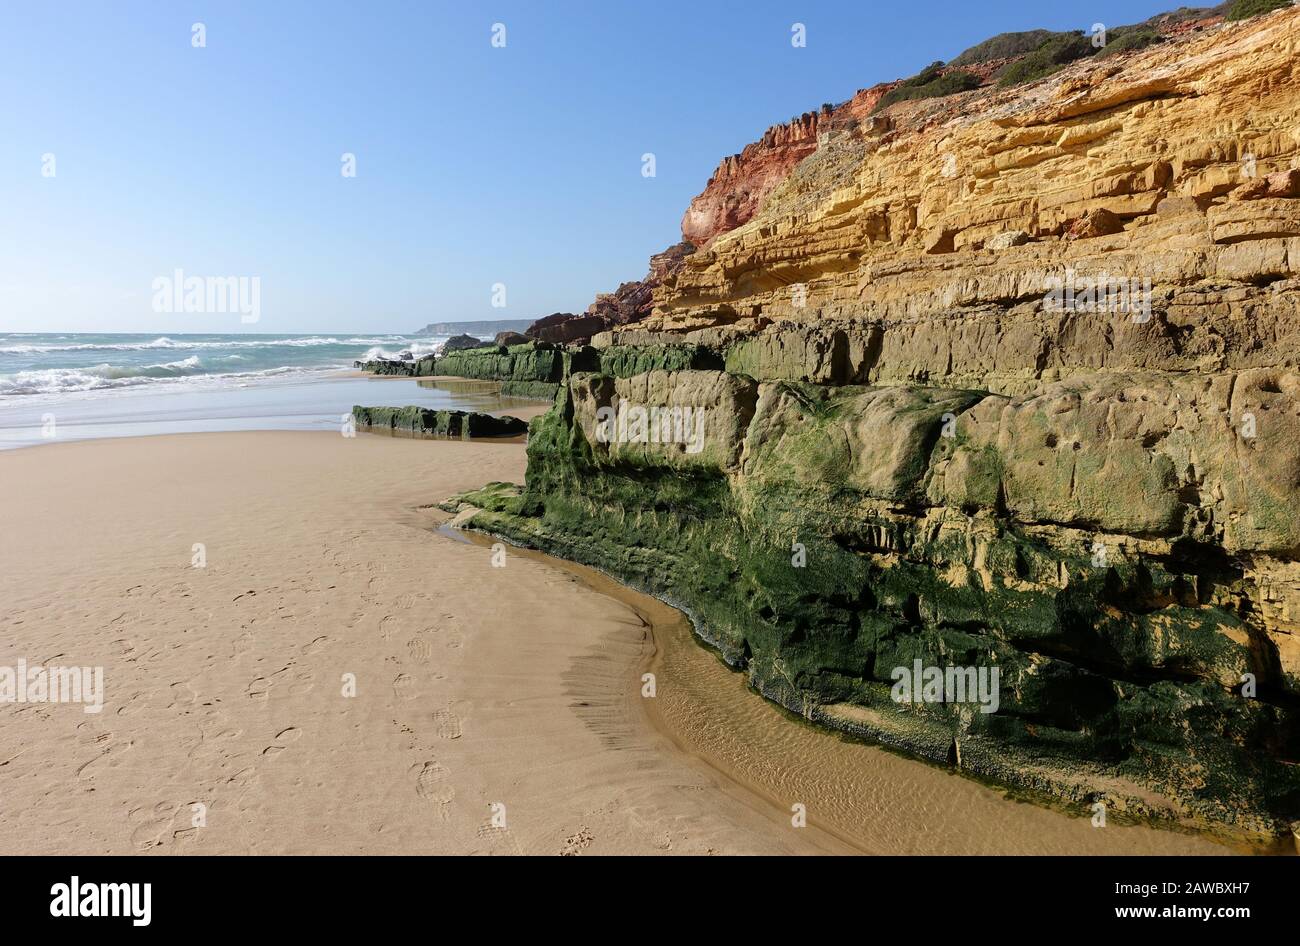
(1246, 9)
(1054, 55)
(1004, 46)
(1128, 39)
(931, 82)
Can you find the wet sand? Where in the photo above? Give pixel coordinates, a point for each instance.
(874, 800)
(292, 404)
(495, 710)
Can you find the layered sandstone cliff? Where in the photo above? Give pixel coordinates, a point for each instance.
(919, 211)
(743, 181)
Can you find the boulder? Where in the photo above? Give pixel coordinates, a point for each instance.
(1284, 184)
(1095, 223)
(563, 328)
(461, 343)
(1007, 239)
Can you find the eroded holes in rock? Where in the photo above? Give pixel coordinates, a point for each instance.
(1184, 592)
(1071, 700)
(1189, 494)
(1021, 564)
(912, 610)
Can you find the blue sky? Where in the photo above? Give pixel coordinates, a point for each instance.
(475, 165)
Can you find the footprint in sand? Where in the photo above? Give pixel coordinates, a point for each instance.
(131, 705)
(404, 686)
(387, 625)
(432, 785)
(157, 824)
(243, 644)
(450, 630)
(260, 688)
(315, 646)
(244, 778)
(420, 649)
(577, 842)
(182, 694)
(150, 834)
(500, 840)
(107, 759)
(302, 683)
(283, 740)
(447, 723)
(215, 748)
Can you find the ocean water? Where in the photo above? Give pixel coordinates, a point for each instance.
(49, 366)
(57, 387)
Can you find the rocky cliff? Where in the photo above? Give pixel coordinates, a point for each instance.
(743, 181)
(1006, 380)
(1145, 164)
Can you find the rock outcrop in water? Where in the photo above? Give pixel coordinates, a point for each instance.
(531, 369)
(1000, 380)
(461, 343)
(423, 423)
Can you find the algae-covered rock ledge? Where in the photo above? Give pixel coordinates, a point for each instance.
(828, 536)
(423, 423)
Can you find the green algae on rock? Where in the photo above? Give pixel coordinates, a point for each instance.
(421, 422)
(828, 536)
(529, 370)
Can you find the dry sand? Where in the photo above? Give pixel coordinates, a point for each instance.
(475, 685)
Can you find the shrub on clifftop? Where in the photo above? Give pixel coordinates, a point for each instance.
(1245, 9)
(1130, 39)
(1055, 54)
(929, 83)
(1004, 46)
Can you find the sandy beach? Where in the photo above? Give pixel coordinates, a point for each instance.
(493, 709)
(475, 685)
